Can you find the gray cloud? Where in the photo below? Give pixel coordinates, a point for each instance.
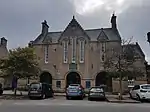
(20, 20)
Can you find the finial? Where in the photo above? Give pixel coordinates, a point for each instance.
(73, 17)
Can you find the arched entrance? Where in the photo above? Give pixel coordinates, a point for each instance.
(102, 78)
(46, 77)
(73, 78)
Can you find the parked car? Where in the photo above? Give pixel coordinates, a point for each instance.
(1, 89)
(140, 92)
(75, 91)
(96, 93)
(40, 90)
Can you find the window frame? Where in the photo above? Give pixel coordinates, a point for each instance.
(82, 51)
(73, 50)
(58, 84)
(46, 54)
(65, 51)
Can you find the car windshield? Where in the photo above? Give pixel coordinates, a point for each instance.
(145, 87)
(96, 89)
(35, 85)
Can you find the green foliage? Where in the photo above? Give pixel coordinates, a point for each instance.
(21, 62)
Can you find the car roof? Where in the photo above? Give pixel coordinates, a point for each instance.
(145, 84)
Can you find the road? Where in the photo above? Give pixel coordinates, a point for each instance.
(62, 105)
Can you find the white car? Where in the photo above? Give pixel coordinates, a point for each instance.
(140, 92)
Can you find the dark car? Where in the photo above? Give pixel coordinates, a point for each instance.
(75, 91)
(96, 93)
(1, 89)
(40, 90)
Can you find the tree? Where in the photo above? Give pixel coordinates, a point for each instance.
(20, 63)
(120, 63)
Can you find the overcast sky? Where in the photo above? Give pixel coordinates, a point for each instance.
(20, 20)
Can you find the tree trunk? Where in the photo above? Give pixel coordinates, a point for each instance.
(120, 84)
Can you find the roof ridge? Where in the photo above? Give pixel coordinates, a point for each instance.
(96, 29)
(83, 29)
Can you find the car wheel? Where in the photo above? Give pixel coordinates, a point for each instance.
(81, 97)
(43, 96)
(138, 97)
(68, 98)
(89, 99)
(30, 97)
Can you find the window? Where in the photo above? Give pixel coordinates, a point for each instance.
(145, 87)
(88, 84)
(46, 54)
(103, 47)
(58, 84)
(65, 45)
(73, 50)
(136, 87)
(103, 57)
(82, 45)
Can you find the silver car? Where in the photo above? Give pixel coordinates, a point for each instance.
(96, 93)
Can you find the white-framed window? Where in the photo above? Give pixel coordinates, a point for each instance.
(73, 50)
(82, 50)
(46, 53)
(65, 45)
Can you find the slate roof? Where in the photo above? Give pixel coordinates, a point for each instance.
(93, 34)
(137, 49)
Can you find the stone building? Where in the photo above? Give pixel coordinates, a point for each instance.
(76, 55)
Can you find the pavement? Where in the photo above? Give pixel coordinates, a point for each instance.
(110, 98)
(60, 104)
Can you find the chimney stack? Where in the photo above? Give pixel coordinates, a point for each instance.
(3, 42)
(44, 28)
(113, 22)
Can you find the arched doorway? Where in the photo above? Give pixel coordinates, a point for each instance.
(102, 78)
(73, 78)
(46, 77)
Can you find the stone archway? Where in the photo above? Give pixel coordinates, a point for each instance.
(46, 77)
(73, 78)
(103, 79)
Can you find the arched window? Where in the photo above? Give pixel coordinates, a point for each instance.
(46, 53)
(65, 46)
(82, 51)
(73, 50)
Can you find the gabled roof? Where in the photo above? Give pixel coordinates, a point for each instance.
(92, 34)
(136, 48)
(102, 36)
(73, 24)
